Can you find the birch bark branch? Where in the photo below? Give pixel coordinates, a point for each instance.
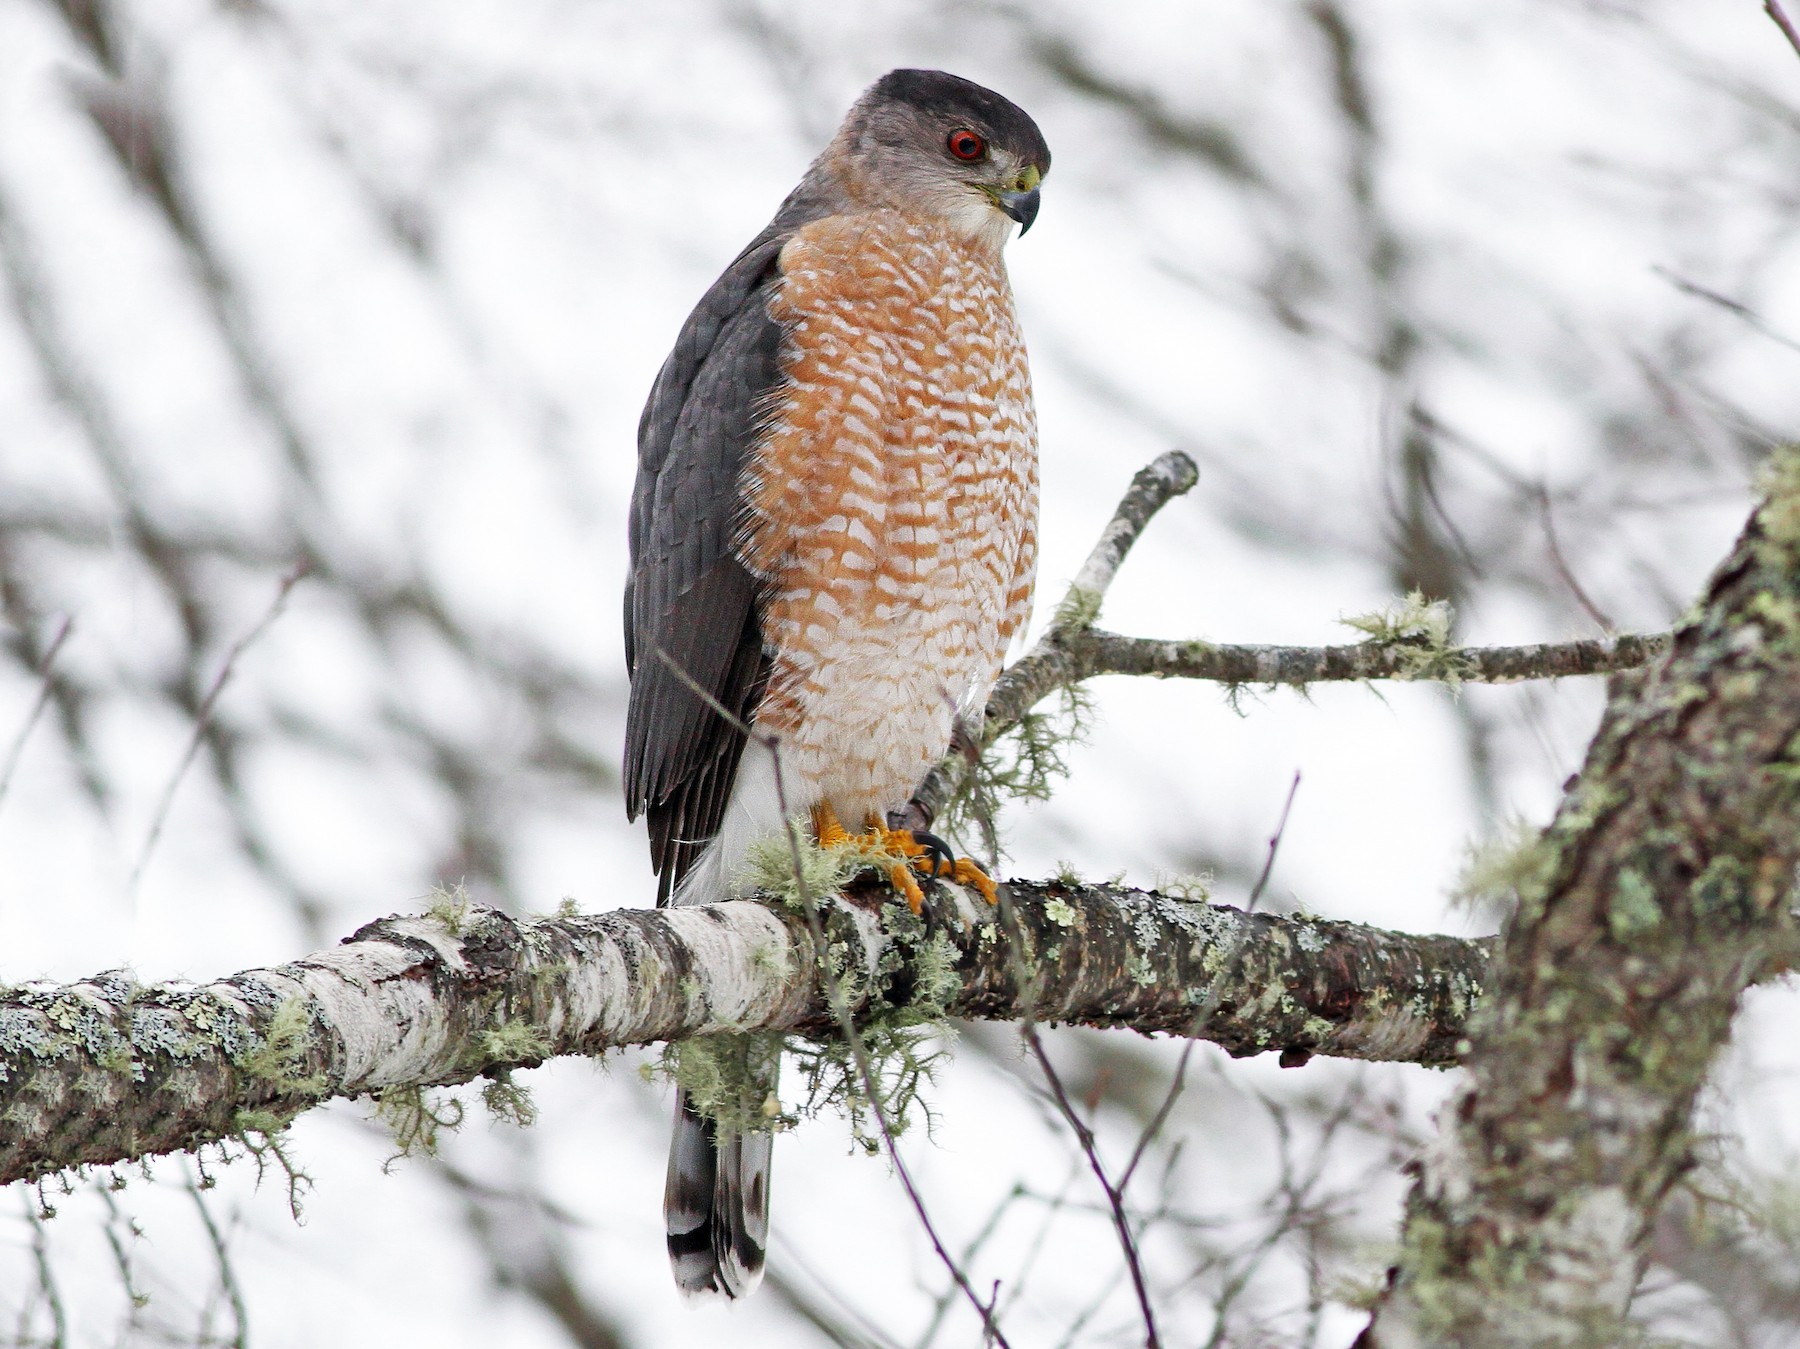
(1659, 893)
(107, 1069)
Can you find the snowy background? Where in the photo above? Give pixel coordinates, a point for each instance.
(1500, 302)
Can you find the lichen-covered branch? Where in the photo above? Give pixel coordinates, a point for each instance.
(1660, 891)
(1073, 650)
(1089, 653)
(108, 1069)
(1152, 487)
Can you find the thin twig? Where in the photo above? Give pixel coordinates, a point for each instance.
(1262, 880)
(1072, 651)
(203, 719)
(1115, 1199)
(1565, 571)
(116, 1219)
(46, 1278)
(228, 1283)
(1152, 487)
(45, 688)
(970, 1251)
(1093, 652)
(1734, 307)
(1774, 10)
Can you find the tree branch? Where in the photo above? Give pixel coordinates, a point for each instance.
(1088, 653)
(1072, 650)
(108, 1069)
(1659, 893)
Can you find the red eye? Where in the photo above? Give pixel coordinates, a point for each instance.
(966, 145)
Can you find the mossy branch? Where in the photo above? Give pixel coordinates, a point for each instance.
(1089, 653)
(1410, 642)
(108, 1069)
(1662, 889)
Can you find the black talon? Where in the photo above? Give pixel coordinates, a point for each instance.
(937, 852)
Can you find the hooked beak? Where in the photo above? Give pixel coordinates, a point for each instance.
(1021, 206)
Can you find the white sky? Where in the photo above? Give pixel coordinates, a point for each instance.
(581, 170)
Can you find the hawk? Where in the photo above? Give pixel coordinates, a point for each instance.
(833, 539)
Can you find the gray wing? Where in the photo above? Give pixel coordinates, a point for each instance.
(689, 601)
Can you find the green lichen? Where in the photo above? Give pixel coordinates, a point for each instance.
(1499, 872)
(263, 1134)
(415, 1120)
(1779, 481)
(789, 870)
(1632, 908)
(1417, 631)
(450, 906)
(513, 1042)
(771, 961)
(507, 1100)
(1778, 613)
(1023, 763)
(1195, 887)
(937, 979)
(902, 1061)
(282, 1055)
(732, 1079)
(1060, 912)
(1138, 968)
(1078, 609)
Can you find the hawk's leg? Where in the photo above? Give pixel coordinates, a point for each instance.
(910, 849)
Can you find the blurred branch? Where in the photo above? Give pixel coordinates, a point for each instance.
(203, 718)
(1656, 897)
(1214, 143)
(1774, 10)
(46, 684)
(108, 1069)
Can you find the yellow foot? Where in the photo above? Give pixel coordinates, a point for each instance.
(909, 854)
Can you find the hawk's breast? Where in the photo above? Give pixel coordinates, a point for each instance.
(891, 505)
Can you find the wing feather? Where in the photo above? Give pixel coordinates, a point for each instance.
(690, 603)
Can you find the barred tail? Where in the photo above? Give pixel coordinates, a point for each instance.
(716, 1205)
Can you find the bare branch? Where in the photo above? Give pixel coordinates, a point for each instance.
(108, 1069)
(46, 686)
(1774, 10)
(1115, 1194)
(203, 719)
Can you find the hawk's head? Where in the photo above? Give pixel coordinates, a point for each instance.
(934, 144)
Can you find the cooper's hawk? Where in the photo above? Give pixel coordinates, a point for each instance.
(832, 534)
